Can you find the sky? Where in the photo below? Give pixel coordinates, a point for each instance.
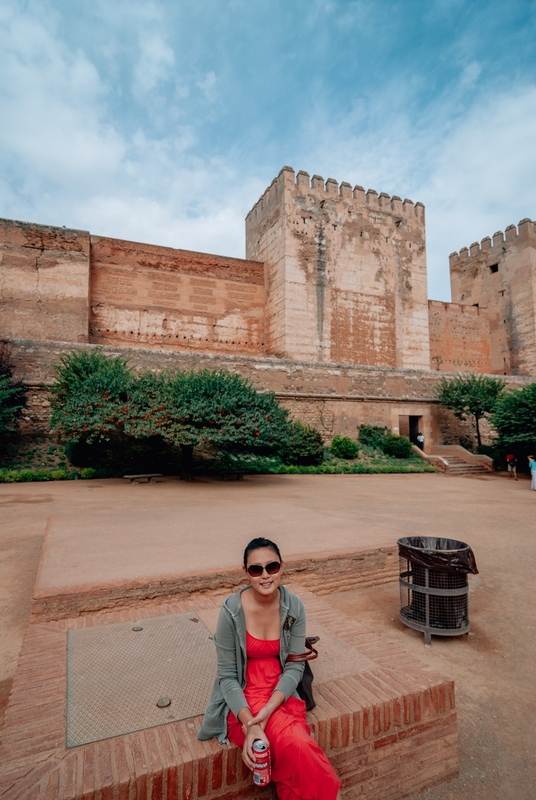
(163, 121)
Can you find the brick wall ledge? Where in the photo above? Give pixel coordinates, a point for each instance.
(353, 397)
(322, 574)
(268, 361)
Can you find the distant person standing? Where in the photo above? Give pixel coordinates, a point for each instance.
(511, 465)
(532, 467)
(420, 440)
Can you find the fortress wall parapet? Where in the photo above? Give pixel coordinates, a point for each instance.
(58, 283)
(331, 188)
(525, 228)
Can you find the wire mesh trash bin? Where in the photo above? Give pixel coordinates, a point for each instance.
(433, 585)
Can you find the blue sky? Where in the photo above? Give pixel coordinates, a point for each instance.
(164, 120)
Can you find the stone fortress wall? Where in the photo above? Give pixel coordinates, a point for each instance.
(329, 310)
(345, 272)
(499, 274)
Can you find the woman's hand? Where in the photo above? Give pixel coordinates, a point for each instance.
(252, 732)
(262, 718)
(266, 711)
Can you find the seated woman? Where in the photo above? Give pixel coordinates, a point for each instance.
(254, 696)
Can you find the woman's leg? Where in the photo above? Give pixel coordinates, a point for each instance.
(301, 770)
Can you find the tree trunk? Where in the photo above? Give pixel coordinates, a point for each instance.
(478, 437)
(187, 469)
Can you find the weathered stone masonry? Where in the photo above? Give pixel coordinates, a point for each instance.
(329, 310)
(499, 274)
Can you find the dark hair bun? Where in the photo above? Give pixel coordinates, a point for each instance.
(255, 544)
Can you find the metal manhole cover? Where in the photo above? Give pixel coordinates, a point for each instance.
(116, 675)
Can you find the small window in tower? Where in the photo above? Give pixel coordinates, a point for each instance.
(494, 268)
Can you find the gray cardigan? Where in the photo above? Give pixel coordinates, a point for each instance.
(230, 641)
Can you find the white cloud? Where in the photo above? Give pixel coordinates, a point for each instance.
(64, 162)
(208, 86)
(471, 74)
(473, 165)
(53, 129)
(68, 157)
(483, 178)
(155, 63)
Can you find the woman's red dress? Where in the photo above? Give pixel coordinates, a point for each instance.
(300, 769)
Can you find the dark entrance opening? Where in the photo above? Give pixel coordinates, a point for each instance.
(414, 428)
(409, 426)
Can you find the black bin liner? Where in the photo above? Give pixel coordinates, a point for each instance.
(438, 554)
(437, 564)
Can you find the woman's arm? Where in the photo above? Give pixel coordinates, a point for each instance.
(225, 641)
(293, 670)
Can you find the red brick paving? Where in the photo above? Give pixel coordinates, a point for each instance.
(389, 731)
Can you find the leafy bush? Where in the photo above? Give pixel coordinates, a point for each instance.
(247, 463)
(303, 445)
(382, 439)
(87, 473)
(344, 447)
(12, 394)
(487, 450)
(514, 416)
(30, 475)
(372, 435)
(468, 443)
(397, 446)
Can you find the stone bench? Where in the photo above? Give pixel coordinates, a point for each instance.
(150, 477)
(386, 721)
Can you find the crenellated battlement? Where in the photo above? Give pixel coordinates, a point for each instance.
(497, 273)
(330, 188)
(525, 229)
(345, 271)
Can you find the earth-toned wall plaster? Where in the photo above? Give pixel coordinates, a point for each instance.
(345, 272)
(459, 337)
(44, 282)
(500, 274)
(150, 296)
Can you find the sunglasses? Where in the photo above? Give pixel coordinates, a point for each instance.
(255, 570)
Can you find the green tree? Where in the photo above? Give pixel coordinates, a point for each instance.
(90, 396)
(514, 416)
(12, 394)
(96, 398)
(469, 395)
(215, 408)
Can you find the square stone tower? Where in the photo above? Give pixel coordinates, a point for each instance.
(499, 275)
(345, 272)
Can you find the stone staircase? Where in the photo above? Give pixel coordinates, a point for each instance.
(459, 467)
(461, 462)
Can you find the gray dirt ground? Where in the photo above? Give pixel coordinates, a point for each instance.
(493, 667)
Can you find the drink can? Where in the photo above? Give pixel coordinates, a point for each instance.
(262, 771)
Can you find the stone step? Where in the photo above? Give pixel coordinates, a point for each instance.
(468, 470)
